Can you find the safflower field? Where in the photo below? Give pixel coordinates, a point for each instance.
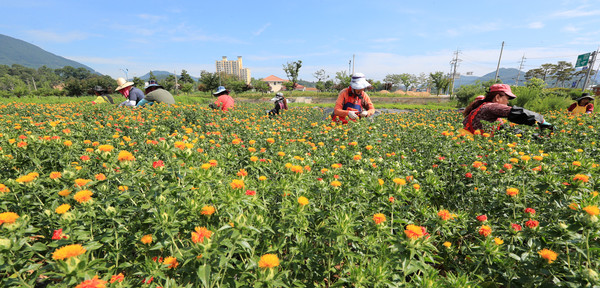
(183, 196)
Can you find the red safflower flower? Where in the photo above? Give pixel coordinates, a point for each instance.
(158, 164)
(530, 210)
(516, 227)
(250, 192)
(532, 223)
(469, 175)
(57, 234)
(482, 218)
(117, 278)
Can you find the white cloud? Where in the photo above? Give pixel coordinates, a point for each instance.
(570, 28)
(536, 25)
(385, 40)
(51, 36)
(582, 11)
(152, 18)
(262, 29)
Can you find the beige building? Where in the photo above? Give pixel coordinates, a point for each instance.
(234, 67)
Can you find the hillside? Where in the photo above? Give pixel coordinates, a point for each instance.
(15, 51)
(507, 75)
(161, 75)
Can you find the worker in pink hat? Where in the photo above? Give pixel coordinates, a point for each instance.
(495, 106)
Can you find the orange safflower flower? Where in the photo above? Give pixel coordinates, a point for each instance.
(485, 230)
(270, 140)
(146, 239)
(253, 159)
(4, 189)
(8, 217)
(82, 182)
(548, 255)
(68, 143)
(94, 283)
(68, 251)
(414, 231)
(208, 210)
(171, 261)
(62, 209)
(105, 148)
(117, 278)
(64, 193)
(302, 200)
(582, 178)
(399, 181)
(83, 196)
(55, 175)
(125, 156)
(200, 234)
(100, 177)
(268, 261)
(357, 157)
(576, 163)
(446, 215)
(512, 192)
(336, 183)
(592, 210)
(242, 173)
(378, 218)
(237, 184)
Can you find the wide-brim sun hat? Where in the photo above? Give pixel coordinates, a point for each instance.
(220, 90)
(146, 86)
(584, 96)
(122, 83)
(359, 81)
(503, 88)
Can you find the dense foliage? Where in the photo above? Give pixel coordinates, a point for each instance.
(183, 196)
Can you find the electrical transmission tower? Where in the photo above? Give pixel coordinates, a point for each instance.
(520, 67)
(454, 64)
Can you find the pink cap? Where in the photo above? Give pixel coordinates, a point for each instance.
(480, 97)
(503, 88)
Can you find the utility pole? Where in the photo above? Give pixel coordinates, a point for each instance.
(454, 63)
(175, 72)
(349, 65)
(352, 64)
(590, 68)
(500, 58)
(520, 67)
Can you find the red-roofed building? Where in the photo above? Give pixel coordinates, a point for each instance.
(275, 83)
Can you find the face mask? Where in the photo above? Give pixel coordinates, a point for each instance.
(125, 92)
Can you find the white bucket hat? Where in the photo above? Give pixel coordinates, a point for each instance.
(359, 82)
(122, 83)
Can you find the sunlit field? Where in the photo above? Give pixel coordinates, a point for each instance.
(184, 196)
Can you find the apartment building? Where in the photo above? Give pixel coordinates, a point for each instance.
(234, 67)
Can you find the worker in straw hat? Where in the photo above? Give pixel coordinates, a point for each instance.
(583, 104)
(131, 93)
(353, 102)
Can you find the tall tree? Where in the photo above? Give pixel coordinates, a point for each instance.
(440, 81)
(185, 77)
(209, 80)
(562, 72)
(260, 85)
(394, 79)
(343, 80)
(151, 76)
(291, 71)
(408, 80)
(320, 75)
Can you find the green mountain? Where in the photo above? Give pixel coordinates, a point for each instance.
(162, 75)
(15, 51)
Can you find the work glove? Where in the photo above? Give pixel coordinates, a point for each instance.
(364, 114)
(545, 125)
(352, 115)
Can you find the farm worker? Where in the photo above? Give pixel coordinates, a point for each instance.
(280, 104)
(353, 102)
(224, 101)
(156, 93)
(103, 97)
(494, 106)
(131, 93)
(582, 105)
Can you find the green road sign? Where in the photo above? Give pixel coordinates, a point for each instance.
(582, 60)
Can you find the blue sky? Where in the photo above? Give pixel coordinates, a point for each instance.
(386, 37)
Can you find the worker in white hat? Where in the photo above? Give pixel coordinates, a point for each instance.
(131, 93)
(353, 102)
